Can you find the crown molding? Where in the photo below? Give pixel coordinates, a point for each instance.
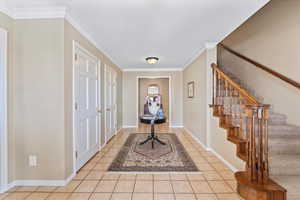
(61, 13)
(40, 13)
(152, 69)
(193, 58)
(7, 12)
(210, 45)
(88, 36)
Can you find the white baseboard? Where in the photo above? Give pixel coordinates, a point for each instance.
(127, 126)
(39, 183)
(230, 166)
(176, 126)
(195, 138)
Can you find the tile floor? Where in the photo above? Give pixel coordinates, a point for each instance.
(94, 183)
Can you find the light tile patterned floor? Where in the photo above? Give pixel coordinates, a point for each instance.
(94, 183)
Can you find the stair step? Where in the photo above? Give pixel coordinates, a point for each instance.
(284, 145)
(276, 118)
(285, 165)
(291, 183)
(284, 130)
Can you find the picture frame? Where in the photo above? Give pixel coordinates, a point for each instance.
(191, 89)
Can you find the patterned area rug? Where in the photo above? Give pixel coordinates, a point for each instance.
(134, 157)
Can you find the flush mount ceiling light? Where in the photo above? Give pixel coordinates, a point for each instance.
(152, 60)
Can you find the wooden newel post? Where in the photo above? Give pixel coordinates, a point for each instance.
(257, 165)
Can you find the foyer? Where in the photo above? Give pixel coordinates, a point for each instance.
(82, 82)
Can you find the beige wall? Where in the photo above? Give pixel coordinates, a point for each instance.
(40, 96)
(224, 148)
(7, 23)
(197, 116)
(270, 37)
(38, 114)
(71, 34)
(194, 109)
(130, 103)
(163, 84)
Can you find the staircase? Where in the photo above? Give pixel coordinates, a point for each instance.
(283, 139)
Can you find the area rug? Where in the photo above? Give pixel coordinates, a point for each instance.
(171, 157)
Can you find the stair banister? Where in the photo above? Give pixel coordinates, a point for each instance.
(246, 120)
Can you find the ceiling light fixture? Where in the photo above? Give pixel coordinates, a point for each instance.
(152, 60)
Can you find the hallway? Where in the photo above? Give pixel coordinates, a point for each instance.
(93, 182)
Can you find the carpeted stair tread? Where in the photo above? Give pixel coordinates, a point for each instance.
(284, 145)
(276, 118)
(284, 130)
(291, 183)
(280, 163)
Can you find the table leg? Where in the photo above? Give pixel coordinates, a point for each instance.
(153, 138)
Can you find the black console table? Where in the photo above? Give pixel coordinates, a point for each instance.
(152, 137)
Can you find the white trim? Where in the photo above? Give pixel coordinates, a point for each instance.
(230, 166)
(152, 69)
(137, 96)
(195, 138)
(129, 126)
(88, 36)
(193, 58)
(210, 45)
(41, 182)
(7, 11)
(52, 13)
(178, 126)
(73, 106)
(76, 45)
(40, 12)
(3, 114)
(211, 57)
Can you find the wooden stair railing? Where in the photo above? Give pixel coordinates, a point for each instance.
(246, 121)
(262, 67)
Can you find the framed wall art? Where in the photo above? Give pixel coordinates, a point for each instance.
(191, 89)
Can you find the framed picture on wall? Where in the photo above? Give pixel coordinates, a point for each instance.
(191, 89)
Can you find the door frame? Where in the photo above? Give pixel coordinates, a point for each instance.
(3, 115)
(104, 107)
(138, 93)
(77, 45)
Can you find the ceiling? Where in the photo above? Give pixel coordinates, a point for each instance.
(176, 31)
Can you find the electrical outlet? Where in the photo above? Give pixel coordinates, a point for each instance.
(32, 161)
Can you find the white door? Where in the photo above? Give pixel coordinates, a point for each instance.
(3, 112)
(87, 106)
(108, 104)
(114, 101)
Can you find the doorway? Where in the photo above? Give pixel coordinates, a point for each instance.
(87, 105)
(3, 113)
(110, 93)
(160, 85)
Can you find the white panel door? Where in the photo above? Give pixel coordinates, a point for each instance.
(3, 112)
(114, 101)
(87, 106)
(108, 103)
